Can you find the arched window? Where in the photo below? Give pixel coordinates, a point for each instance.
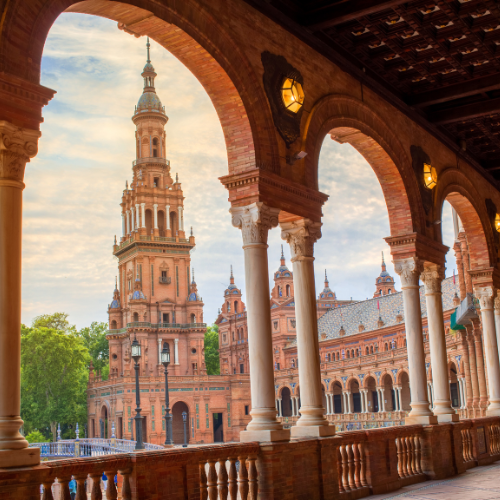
(228, 307)
(371, 349)
(367, 350)
(235, 306)
(280, 293)
(380, 291)
(348, 354)
(329, 357)
(193, 318)
(233, 336)
(338, 355)
(386, 348)
(389, 291)
(136, 317)
(293, 363)
(155, 147)
(376, 347)
(288, 290)
(113, 325)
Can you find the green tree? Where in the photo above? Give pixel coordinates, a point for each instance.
(57, 321)
(36, 437)
(212, 350)
(54, 379)
(94, 339)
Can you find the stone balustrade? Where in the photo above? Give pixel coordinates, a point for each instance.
(349, 466)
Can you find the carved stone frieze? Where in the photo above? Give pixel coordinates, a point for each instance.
(409, 270)
(254, 220)
(301, 236)
(432, 277)
(17, 146)
(486, 297)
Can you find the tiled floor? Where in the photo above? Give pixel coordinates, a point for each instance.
(480, 483)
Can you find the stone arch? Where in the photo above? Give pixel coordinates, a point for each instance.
(188, 32)
(384, 376)
(399, 375)
(286, 401)
(334, 382)
(454, 187)
(105, 420)
(177, 423)
(350, 120)
(351, 379)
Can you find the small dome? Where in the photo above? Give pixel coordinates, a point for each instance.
(138, 295)
(193, 297)
(383, 274)
(149, 100)
(148, 68)
(232, 286)
(115, 304)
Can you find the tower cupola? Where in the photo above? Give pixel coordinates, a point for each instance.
(385, 282)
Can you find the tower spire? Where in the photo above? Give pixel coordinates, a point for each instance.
(231, 278)
(147, 48)
(192, 272)
(282, 256)
(326, 280)
(383, 262)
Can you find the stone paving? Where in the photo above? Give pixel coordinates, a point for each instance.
(480, 483)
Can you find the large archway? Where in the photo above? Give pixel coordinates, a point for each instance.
(178, 422)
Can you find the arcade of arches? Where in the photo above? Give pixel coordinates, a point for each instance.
(272, 180)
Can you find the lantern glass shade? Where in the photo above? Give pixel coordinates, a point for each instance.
(184, 416)
(136, 349)
(165, 356)
(430, 176)
(292, 95)
(497, 222)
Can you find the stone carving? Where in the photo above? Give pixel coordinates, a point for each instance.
(17, 146)
(486, 297)
(497, 301)
(254, 220)
(432, 277)
(301, 236)
(409, 270)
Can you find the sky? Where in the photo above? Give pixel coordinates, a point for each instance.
(74, 184)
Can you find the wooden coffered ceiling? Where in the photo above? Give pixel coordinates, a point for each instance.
(437, 61)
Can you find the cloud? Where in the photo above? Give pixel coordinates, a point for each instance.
(74, 185)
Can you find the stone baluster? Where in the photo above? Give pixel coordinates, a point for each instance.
(485, 295)
(357, 465)
(212, 480)
(243, 478)
(411, 463)
(418, 454)
(409, 271)
(222, 479)
(351, 475)
(362, 461)
(255, 220)
(111, 492)
(301, 236)
(203, 481)
(340, 470)
(232, 479)
(95, 492)
(253, 486)
(126, 490)
(80, 479)
(345, 467)
(64, 488)
(432, 276)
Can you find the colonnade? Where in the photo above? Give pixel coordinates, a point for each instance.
(255, 221)
(131, 221)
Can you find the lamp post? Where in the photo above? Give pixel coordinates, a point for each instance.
(165, 361)
(136, 355)
(184, 419)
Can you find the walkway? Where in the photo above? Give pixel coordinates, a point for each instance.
(480, 483)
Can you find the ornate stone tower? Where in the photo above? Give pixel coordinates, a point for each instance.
(283, 282)
(154, 298)
(384, 283)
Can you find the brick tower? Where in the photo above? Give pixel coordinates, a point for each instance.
(155, 297)
(384, 284)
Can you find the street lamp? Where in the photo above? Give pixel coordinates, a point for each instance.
(184, 418)
(165, 361)
(136, 355)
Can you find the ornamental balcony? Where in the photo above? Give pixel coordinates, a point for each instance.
(156, 326)
(151, 159)
(165, 280)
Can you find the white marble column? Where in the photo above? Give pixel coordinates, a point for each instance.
(280, 407)
(497, 320)
(143, 215)
(137, 220)
(128, 222)
(327, 397)
(409, 271)
(362, 399)
(176, 351)
(159, 351)
(293, 407)
(132, 226)
(181, 218)
(17, 146)
(255, 220)
(301, 236)
(349, 401)
(464, 390)
(429, 394)
(432, 276)
(400, 404)
(123, 225)
(155, 213)
(485, 296)
(332, 405)
(461, 392)
(167, 215)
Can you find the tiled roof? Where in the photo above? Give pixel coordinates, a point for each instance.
(350, 316)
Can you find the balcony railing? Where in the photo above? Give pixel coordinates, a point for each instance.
(163, 239)
(166, 280)
(347, 466)
(156, 326)
(151, 159)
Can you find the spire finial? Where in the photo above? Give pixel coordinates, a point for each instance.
(192, 272)
(147, 48)
(191, 230)
(282, 254)
(231, 277)
(176, 178)
(326, 278)
(116, 283)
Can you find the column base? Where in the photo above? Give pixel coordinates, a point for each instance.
(25, 457)
(493, 412)
(313, 431)
(421, 420)
(448, 417)
(265, 436)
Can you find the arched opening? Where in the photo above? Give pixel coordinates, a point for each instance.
(288, 290)
(405, 391)
(178, 423)
(337, 398)
(161, 222)
(103, 423)
(235, 306)
(372, 396)
(113, 325)
(286, 402)
(356, 396)
(149, 222)
(193, 318)
(454, 391)
(173, 224)
(228, 307)
(155, 148)
(388, 393)
(136, 317)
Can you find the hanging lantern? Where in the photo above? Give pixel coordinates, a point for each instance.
(292, 95)
(430, 176)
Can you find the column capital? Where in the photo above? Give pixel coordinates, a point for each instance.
(497, 302)
(301, 235)
(409, 270)
(432, 276)
(486, 296)
(254, 220)
(17, 146)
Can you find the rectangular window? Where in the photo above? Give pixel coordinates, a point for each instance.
(152, 281)
(197, 423)
(192, 426)
(242, 370)
(164, 274)
(247, 410)
(197, 408)
(163, 424)
(208, 423)
(206, 408)
(153, 424)
(153, 411)
(166, 318)
(128, 411)
(130, 426)
(177, 279)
